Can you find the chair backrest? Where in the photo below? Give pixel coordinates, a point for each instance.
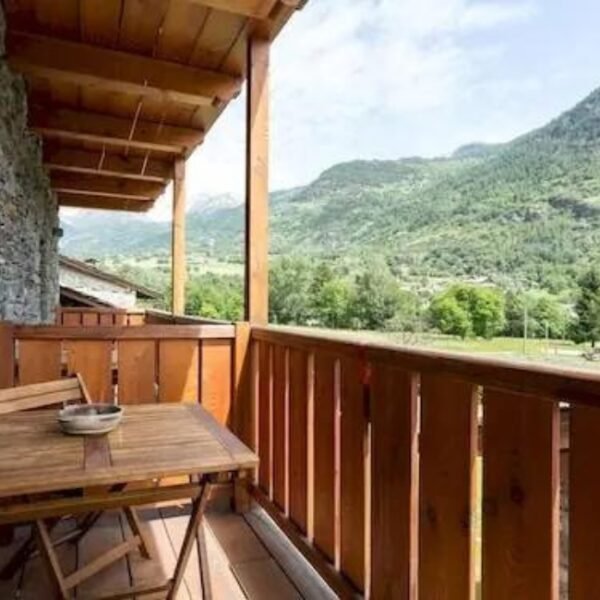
(38, 395)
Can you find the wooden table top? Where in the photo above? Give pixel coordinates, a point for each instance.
(153, 441)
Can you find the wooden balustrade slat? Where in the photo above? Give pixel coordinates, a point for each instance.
(178, 371)
(448, 449)
(137, 371)
(93, 361)
(39, 361)
(216, 378)
(280, 429)
(298, 444)
(121, 319)
(353, 429)
(71, 319)
(106, 319)
(521, 445)
(264, 416)
(394, 482)
(135, 320)
(584, 504)
(244, 378)
(324, 454)
(90, 319)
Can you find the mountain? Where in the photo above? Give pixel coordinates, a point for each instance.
(526, 210)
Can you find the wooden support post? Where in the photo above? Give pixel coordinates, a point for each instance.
(178, 239)
(257, 182)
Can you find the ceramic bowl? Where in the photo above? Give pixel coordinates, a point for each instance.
(89, 419)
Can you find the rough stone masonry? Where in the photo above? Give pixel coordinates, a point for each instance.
(28, 210)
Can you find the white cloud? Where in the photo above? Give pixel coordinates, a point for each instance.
(340, 69)
(492, 14)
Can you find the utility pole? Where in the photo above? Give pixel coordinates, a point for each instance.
(525, 323)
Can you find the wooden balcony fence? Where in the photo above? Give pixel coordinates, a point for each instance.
(106, 317)
(128, 364)
(368, 461)
(370, 454)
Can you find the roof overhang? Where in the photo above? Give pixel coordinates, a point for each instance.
(119, 92)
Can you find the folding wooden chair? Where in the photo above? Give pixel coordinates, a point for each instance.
(40, 395)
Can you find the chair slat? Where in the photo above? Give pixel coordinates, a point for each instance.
(38, 389)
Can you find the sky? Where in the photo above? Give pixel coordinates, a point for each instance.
(385, 79)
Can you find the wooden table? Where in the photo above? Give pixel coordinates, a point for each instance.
(91, 474)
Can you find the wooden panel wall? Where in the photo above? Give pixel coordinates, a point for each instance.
(93, 361)
(137, 371)
(216, 373)
(179, 361)
(131, 367)
(39, 361)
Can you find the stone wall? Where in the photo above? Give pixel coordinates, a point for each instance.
(28, 211)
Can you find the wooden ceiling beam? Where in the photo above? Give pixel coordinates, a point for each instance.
(142, 76)
(136, 168)
(103, 129)
(105, 186)
(103, 203)
(256, 9)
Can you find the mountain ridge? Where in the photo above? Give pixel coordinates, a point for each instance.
(527, 209)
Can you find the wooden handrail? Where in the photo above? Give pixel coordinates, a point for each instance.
(569, 384)
(112, 332)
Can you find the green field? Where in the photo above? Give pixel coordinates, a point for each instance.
(559, 352)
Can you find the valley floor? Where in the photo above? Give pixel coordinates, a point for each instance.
(558, 352)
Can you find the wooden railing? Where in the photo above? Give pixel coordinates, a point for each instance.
(370, 461)
(94, 317)
(106, 317)
(147, 363)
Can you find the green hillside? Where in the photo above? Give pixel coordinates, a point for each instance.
(525, 210)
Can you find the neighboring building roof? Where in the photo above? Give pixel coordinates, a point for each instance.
(72, 297)
(87, 269)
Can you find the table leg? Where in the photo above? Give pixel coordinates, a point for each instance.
(198, 506)
(203, 566)
(51, 560)
(136, 528)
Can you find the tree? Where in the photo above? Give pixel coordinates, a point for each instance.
(449, 316)
(467, 310)
(486, 307)
(586, 327)
(377, 296)
(331, 303)
(289, 291)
